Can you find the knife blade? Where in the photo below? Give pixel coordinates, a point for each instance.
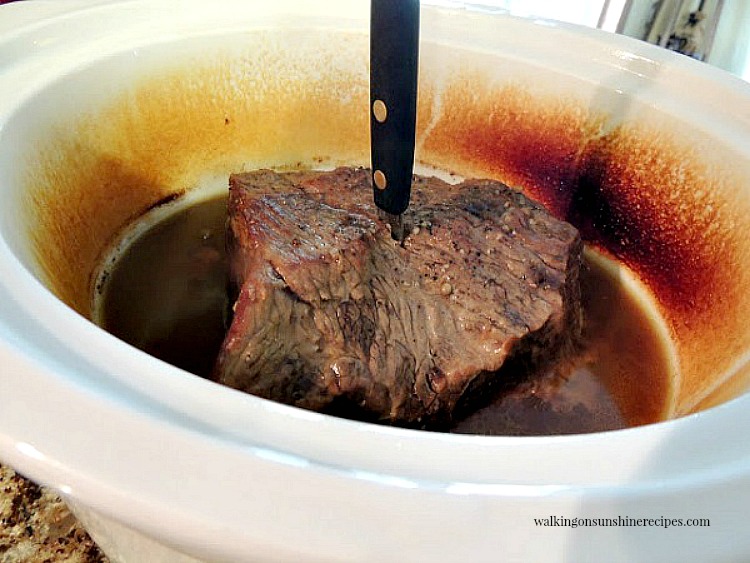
(394, 61)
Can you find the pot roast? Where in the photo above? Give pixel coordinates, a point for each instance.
(333, 315)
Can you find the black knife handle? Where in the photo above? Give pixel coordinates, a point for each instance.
(394, 60)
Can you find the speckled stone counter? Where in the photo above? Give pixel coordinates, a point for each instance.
(37, 527)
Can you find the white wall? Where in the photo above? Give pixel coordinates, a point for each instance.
(731, 48)
(584, 12)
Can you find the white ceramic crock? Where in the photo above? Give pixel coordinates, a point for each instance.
(108, 107)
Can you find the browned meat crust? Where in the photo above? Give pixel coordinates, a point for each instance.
(333, 315)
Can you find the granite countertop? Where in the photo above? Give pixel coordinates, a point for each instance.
(37, 527)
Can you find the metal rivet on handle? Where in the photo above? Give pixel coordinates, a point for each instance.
(380, 110)
(380, 179)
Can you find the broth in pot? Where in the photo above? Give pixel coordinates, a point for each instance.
(167, 295)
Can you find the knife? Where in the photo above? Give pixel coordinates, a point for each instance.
(394, 60)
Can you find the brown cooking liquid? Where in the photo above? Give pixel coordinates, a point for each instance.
(167, 296)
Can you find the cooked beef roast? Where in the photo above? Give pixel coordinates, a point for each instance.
(333, 315)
